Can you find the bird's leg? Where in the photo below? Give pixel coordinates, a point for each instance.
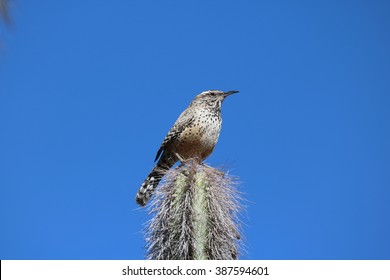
(180, 158)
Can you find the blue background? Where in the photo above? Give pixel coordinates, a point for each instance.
(88, 90)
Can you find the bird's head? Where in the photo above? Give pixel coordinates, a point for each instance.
(213, 98)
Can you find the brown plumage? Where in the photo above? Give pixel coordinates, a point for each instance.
(193, 136)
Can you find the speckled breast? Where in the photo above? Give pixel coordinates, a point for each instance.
(199, 139)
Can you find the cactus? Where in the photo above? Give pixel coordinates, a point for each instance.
(195, 215)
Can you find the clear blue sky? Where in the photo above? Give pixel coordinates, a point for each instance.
(88, 90)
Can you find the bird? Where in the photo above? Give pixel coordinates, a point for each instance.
(193, 136)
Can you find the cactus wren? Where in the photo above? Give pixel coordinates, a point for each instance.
(193, 136)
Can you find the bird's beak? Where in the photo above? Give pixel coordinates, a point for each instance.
(229, 93)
